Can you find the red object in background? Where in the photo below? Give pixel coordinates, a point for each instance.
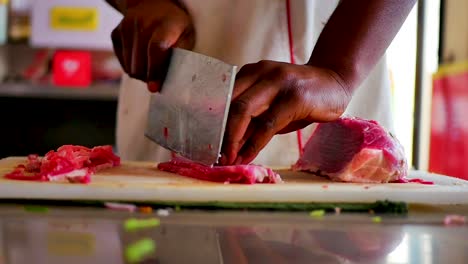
(72, 68)
(449, 122)
(37, 70)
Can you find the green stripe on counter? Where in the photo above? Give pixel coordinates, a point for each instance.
(377, 207)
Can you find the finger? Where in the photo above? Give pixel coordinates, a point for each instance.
(126, 30)
(250, 104)
(294, 126)
(248, 133)
(164, 37)
(245, 78)
(138, 63)
(187, 39)
(223, 160)
(267, 125)
(118, 45)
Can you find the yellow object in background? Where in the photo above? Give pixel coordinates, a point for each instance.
(74, 18)
(451, 69)
(68, 243)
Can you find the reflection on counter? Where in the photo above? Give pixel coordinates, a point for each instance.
(48, 238)
(2, 252)
(58, 241)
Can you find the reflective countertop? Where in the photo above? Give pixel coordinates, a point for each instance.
(95, 235)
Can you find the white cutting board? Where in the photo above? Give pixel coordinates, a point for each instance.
(136, 181)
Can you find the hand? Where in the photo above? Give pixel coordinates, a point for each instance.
(272, 98)
(143, 39)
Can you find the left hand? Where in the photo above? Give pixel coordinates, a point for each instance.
(272, 98)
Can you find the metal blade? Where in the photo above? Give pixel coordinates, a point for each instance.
(189, 114)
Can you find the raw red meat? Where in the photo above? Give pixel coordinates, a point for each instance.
(74, 163)
(247, 174)
(354, 150)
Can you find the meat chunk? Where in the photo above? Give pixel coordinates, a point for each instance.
(354, 150)
(246, 174)
(73, 163)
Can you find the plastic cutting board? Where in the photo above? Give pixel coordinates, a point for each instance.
(142, 182)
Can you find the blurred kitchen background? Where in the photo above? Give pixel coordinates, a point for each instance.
(60, 79)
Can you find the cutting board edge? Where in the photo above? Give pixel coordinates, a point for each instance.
(279, 168)
(149, 199)
(447, 194)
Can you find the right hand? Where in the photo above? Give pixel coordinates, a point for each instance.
(143, 39)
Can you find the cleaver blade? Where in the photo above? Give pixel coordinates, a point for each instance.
(188, 115)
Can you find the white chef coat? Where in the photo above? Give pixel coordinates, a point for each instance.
(245, 31)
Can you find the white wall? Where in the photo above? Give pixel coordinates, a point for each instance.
(402, 63)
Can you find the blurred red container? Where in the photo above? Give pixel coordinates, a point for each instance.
(72, 69)
(449, 122)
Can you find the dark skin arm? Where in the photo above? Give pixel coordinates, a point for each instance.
(357, 35)
(274, 98)
(269, 97)
(118, 5)
(143, 39)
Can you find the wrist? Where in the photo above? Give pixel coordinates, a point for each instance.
(334, 82)
(344, 78)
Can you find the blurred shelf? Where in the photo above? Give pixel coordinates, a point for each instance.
(105, 92)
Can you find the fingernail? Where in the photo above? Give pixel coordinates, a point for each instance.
(153, 87)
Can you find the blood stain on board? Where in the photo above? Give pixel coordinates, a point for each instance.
(210, 147)
(166, 132)
(420, 181)
(224, 77)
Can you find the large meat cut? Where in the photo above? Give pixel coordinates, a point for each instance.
(352, 149)
(73, 163)
(246, 174)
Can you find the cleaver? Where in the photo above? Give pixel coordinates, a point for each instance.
(188, 115)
